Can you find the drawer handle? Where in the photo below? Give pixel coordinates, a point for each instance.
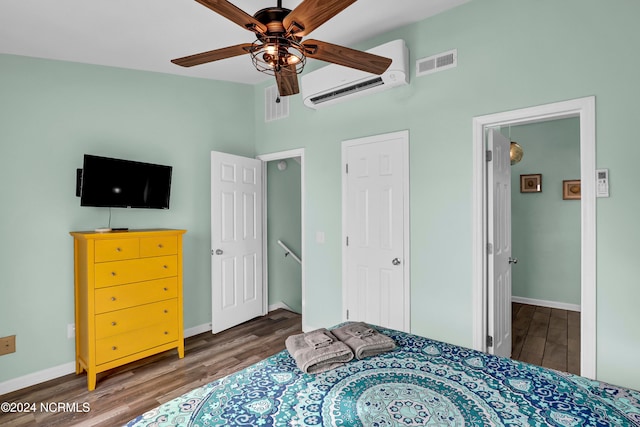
(113, 298)
(114, 348)
(113, 273)
(166, 289)
(166, 332)
(118, 250)
(166, 311)
(160, 245)
(165, 266)
(113, 323)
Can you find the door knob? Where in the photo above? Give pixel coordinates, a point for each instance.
(513, 260)
(395, 261)
(219, 252)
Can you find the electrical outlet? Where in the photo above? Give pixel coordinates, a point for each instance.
(71, 330)
(7, 345)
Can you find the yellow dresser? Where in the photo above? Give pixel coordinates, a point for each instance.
(128, 297)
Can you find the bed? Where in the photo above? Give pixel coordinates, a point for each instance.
(421, 382)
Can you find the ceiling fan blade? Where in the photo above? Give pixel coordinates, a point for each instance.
(213, 55)
(310, 14)
(235, 14)
(346, 56)
(287, 80)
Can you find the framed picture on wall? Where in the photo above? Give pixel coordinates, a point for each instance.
(571, 190)
(531, 183)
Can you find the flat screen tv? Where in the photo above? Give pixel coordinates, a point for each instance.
(108, 182)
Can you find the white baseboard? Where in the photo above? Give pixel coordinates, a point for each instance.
(37, 377)
(543, 303)
(69, 368)
(279, 305)
(205, 327)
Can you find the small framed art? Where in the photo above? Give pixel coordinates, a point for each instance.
(571, 190)
(531, 183)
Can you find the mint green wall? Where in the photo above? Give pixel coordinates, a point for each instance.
(284, 223)
(51, 113)
(545, 229)
(511, 54)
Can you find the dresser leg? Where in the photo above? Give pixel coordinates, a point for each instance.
(181, 351)
(91, 379)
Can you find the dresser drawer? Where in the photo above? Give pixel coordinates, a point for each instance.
(124, 296)
(135, 270)
(159, 245)
(117, 346)
(116, 249)
(130, 319)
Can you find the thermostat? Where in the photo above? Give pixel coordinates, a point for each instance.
(602, 182)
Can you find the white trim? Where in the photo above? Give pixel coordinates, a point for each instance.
(281, 155)
(544, 303)
(279, 305)
(404, 135)
(584, 108)
(195, 330)
(37, 377)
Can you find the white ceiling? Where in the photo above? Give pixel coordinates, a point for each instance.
(147, 34)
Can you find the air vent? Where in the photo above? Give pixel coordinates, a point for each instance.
(377, 81)
(435, 63)
(275, 106)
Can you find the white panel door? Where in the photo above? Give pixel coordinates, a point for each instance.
(236, 240)
(499, 238)
(376, 254)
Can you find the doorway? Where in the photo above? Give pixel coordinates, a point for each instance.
(283, 230)
(545, 230)
(584, 110)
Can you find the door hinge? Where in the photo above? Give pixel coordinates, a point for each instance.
(489, 248)
(489, 156)
(489, 341)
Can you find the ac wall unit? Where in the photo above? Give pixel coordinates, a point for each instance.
(335, 83)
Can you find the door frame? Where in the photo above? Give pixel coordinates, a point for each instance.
(404, 135)
(584, 109)
(283, 155)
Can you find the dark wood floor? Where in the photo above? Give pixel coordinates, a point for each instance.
(126, 392)
(546, 337)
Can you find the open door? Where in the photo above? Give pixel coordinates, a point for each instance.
(499, 238)
(236, 240)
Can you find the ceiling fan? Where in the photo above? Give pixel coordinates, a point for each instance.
(279, 49)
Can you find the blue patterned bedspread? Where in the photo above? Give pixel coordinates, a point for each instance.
(421, 383)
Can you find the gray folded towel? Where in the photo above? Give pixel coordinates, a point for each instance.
(360, 330)
(318, 338)
(315, 360)
(363, 339)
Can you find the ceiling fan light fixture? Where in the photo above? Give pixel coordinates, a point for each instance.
(270, 48)
(274, 54)
(292, 59)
